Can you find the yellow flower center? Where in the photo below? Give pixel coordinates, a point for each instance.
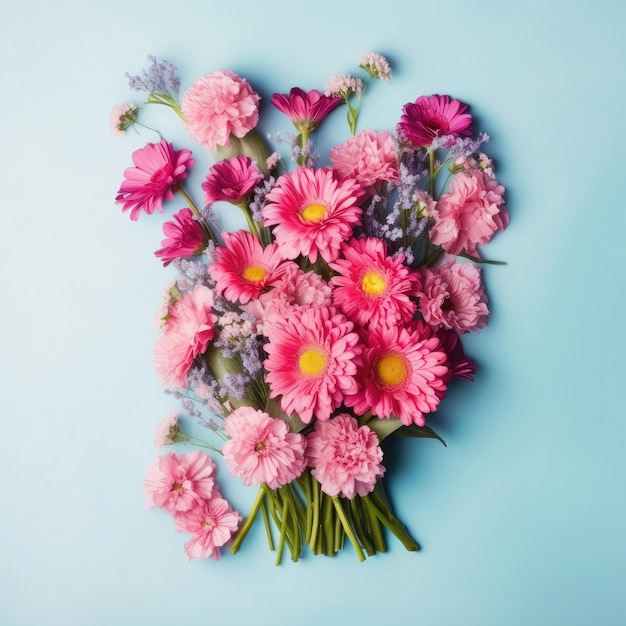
(312, 362)
(254, 273)
(313, 213)
(391, 369)
(373, 283)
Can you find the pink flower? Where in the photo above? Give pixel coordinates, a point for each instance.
(231, 180)
(311, 362)
(261, 448)
(401, 374)
(346, 459)
(372, 287)
(313, 212)
(437, 116)
(452, 297)
(188, 330)
(158, 171)
(469, 214)
(178, 483)
(306, 109)
(123, 116)
(376, 65)
(459, 365)
(343, 85)
(212, 523)
(166, 431)
(243, 268)
(218, 105)
(184, 237)
(368, 157)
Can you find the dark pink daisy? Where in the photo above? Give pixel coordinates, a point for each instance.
(231, 180)
(158, 171)
(306, 109)
(436, 116)
(184, 237)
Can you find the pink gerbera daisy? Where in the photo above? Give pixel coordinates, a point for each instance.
(262, 449)
(401, 374)
(158, 171)
(313, 212)
(438, 116)
(231, 180)
(372, 287)
(306, 109)
(243, 268)
(184, 237)
(311, 362)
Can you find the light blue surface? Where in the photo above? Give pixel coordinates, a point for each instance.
(521, 516)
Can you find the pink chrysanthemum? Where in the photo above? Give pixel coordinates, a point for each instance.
(346, 459)
(188, 330)
(231, 180)
(178, 483)
(184, 237)
(313, 212)
(212, 523)
(372, 287)
(158, 171)
(452, 297)
(262, 449)
(311, 362)
(438, 116)
(306, 109)
(243, 268)
(401, 374)
(369, 157)
(469, 214)
(218, 105)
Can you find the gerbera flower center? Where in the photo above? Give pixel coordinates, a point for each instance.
(260, 446)
(313, 213)
(312, 362)
(373, 283)
(159, 177)
(177, 486)
(208, 522)
(391, 369)
(254, 273)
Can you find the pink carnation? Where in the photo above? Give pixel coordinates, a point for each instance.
(178, 483)
(188, 330)
(470, 213)
(369, 157)
(167, 430)
(346, 459)
(218, 105)
(184, 237)
(231, 180)
(262, 449)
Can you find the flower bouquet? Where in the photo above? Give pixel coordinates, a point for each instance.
(331, 322)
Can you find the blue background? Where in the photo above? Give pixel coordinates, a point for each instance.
(521, 517)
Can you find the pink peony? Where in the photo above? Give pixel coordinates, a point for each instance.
(178, 483)
(369, 157)
(346, 459)
(184, 237)
(158, 171)
(231, 180)
(313, 212)
(212, 523)
(306, 109)
(372, 287)
(188, 330)
(452, 297)
(244, 269)
(262, 449)
(438, 116)
(218, 105)
(311, 362)
(470, 213)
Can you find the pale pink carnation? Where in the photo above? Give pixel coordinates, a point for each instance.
(452, 297)
(166, 430)
(369, 157)
(231, 180)
(469, 214)
(188, 330)
(343, 85)
(262, 449)
(218, 105)
(346, 459)
(212, 523)
(376, 65)
(178, 483)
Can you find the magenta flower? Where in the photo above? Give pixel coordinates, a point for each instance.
(459, 364)
(262, 449)
(231, 180)
(438, 116)
(158, 171)
(346, 459)
(178, 483)
(219, 105)
(184, 237)
(306, 109)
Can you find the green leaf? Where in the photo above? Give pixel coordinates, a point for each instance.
(393, 426)
(272, 407)
(420, 432)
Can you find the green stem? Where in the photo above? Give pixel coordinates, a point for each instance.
(348, 529)
(315, 523)
(283, 533)
(355, 514)
(382, 512)
(243, 531)
(374, 526)
(266, 521)
(431, 169)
